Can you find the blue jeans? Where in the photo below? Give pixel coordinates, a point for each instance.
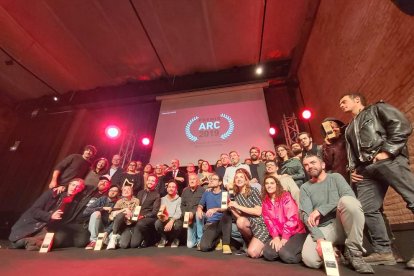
(195, 232)
(95, 225)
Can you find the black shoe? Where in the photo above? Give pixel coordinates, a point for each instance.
(356, 260)
(240, 252)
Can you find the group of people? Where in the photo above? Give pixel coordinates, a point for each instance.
(277, 204)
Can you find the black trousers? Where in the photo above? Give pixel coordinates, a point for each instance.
(175, 230)
(214, 230)
(144, 230)
(291, 253)
(371, 193)
(69, 235)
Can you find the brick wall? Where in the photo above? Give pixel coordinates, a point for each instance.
(365, 46)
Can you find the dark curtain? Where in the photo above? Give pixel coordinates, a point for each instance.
(49, 137)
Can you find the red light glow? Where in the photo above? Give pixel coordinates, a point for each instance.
(272, 131)
(145, 141)
(112, 132)
(306, 114)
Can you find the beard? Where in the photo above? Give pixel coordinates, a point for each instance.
(314, 172)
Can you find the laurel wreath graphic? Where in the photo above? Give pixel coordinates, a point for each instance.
(188, 131)
(230, 130)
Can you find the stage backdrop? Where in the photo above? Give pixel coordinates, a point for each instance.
(207, 123)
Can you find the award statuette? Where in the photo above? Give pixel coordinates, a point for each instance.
(186, 219)
(162, 213)
(328, 130)
(224, 196)
(135, 214)
(331, 266)
(100, 240)
(47, 243)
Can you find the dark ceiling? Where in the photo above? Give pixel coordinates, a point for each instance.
(56, 47)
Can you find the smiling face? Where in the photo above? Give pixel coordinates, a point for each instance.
(101, 164)
(254, 154)
(132, 167)
(151, 182)
(172, 189)
(271, 167)
(270, 186)
(113, 192)
(127, 191)
(270, 155)
(240, 180)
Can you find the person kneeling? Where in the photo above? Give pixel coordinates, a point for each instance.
(218, 220)
(169, 224)
(331, 212)
(281, 215)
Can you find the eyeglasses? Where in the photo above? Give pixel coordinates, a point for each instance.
(215, 179)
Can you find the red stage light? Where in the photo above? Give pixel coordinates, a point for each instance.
(145, 141)
(306, 114)
(112, 132)
(272, 131)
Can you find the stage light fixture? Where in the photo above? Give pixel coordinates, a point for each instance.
(55, 98)
(306, 114)
(112, 132)
(145, 141)
(272, 131)
(259, 70)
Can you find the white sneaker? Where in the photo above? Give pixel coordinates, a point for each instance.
(113, 242)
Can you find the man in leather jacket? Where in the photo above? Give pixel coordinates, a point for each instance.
(378, 156)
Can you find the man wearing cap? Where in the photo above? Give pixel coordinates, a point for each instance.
(99, 212)
(73, 166)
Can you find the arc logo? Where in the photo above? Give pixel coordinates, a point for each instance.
(198, 128)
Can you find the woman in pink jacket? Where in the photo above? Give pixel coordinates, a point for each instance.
(281, 215)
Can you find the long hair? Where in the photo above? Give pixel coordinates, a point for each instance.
(289, 153)
(247, 177)
(279, 187)
(208, 168)
(104, 169)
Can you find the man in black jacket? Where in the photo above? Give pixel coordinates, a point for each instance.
(49, 209)
(377, 154)
(150, 202)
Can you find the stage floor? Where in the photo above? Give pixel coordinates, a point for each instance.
(154, 261)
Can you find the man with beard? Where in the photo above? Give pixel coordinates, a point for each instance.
(257, 168)
(297, 150)
(231, 171)
(150, 204)
(308, 147)
(331, 212)
(31, 228)
(73, 166)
